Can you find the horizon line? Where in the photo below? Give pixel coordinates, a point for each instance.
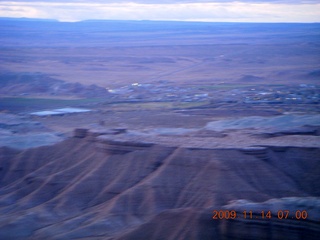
(147, 20)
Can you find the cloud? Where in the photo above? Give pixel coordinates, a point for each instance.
(223, 11)
(174, 1)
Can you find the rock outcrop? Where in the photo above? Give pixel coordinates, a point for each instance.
(288, 218)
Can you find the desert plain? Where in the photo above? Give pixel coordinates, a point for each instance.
(150, 130)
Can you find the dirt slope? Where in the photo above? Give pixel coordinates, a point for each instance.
(75, 189)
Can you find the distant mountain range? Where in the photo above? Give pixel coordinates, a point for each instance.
(28, 19)
(23, 84)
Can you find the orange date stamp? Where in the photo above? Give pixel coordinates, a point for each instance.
(280, 214)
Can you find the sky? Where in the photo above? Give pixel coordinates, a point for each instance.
(176, 10)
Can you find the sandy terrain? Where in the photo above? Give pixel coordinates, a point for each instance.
(114, 54)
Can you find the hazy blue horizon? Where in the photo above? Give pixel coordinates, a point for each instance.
(157, 21)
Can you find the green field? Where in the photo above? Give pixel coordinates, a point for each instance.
(129, 106)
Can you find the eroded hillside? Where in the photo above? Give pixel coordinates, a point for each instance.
(80, 189)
